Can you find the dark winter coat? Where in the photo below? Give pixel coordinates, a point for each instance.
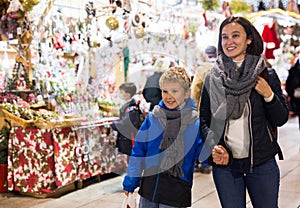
(128, 125)
(263, 117)
(293, 82)
(152, 91)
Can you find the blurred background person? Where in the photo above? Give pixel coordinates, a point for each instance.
(210, 55)
(132, 114)
(291, 85)
(151, 90)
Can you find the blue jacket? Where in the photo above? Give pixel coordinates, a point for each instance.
(146, 156)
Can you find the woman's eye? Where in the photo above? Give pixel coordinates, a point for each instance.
(224, 37)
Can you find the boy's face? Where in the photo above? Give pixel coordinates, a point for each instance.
(124, 95)
(173, 94)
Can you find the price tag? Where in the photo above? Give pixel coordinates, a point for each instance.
(10, 36)
(19, 30)
(3, 45)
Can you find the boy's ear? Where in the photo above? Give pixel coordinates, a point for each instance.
(188, 94)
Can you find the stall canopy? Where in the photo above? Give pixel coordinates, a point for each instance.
(284, 18)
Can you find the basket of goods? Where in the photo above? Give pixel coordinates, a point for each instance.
(50, 120)
(18, 116)
(109, 108)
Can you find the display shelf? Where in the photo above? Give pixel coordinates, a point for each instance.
(24, 94)
(20, 91)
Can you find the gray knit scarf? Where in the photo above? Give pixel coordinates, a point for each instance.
(230, 86)
(175, 123)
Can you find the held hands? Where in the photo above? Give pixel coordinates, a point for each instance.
(263, 88)
(220, 155)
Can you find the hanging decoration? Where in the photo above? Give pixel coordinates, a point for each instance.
(26, 4)
(270, 37)
(19, 79)
(15, 9)
(112, 23)
(14, 22)
(29, 4)
(138, 32)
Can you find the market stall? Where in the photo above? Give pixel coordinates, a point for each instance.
(280, 31)
(60, 92)
(47, 158)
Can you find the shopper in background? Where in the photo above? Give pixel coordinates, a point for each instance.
(126, 59)
(238, 111)
(131, 117)
(151, 90)
(166, 146)
(291, 85)
(210, 55)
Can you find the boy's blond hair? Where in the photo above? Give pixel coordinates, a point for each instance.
(176, 74)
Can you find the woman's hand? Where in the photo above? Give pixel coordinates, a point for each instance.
(220, 155)
(263, 88)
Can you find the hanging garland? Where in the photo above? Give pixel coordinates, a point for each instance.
(14, 21)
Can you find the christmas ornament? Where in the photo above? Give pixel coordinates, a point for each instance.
(112, 23)
(138, 32)
(29, 4)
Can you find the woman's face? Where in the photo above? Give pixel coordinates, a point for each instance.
(234, 41)
(173, 94)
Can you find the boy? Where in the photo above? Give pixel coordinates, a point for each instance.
(131, 117)
(166, 146)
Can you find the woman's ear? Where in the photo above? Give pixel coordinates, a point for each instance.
(249, 41)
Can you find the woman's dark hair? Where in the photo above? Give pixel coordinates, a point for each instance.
(296, 64)
(268, 64)
(256, 46)
(128, 87)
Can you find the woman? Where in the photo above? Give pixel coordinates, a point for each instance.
(238, 111)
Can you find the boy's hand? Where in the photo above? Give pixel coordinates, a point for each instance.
(220, 155)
